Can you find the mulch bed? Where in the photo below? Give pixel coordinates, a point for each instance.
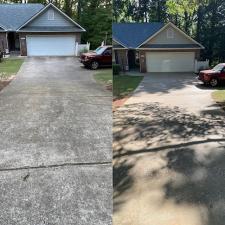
(117, 103)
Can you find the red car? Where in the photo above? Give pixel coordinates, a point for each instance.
(102, 56)
(213, 76)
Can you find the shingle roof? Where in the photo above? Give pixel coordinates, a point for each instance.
(132, 35)
(12, 16)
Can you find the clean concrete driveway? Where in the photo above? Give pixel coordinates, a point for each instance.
(169, 155)
(175, 90)
(55, 146)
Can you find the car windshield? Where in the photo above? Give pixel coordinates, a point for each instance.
(100, 50)
(218, 67)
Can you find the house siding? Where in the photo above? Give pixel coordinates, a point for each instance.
(122, 59)
(42, 20)
(3, 41)
(178, 38)
(23, 44)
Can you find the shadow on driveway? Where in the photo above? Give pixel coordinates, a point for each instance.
(178, 154)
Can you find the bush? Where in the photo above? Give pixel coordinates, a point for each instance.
(116, 69)
(83, 50)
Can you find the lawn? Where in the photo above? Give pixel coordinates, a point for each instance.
(104, 76)
(9, 67)
(219, 96)
(124, 85)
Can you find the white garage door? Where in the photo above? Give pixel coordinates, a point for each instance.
(170, 61)
(50, 45)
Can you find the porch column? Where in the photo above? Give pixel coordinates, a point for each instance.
(142, 61)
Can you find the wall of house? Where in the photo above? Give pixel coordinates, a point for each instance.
(3, 41)
(121, 58)
(59, 20)
(23, 44)
(178, 38)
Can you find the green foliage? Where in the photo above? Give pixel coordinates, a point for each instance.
(139, 10)
(116, 69)
(83, 50)
(97, 20)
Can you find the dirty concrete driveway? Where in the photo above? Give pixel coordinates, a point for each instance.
(55, 146)
(169, 155)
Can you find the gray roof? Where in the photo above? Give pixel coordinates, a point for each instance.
(170, 46)
(12, 16)
(51, 29)
(132, 35)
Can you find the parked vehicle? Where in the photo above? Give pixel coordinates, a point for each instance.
(214, 76)
(102, 56)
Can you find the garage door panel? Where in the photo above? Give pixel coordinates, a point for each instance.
(50, 45)
(170, 61)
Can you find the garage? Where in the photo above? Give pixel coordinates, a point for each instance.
(170, 61)
(51, 45)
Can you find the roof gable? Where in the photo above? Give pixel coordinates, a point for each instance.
(42, 19)
(13, 16)
(117, 44)
(61, 20)
(179, 38)
(131, 35)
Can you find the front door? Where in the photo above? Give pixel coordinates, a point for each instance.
(132, 59)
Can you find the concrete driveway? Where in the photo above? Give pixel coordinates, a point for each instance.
(55, 146)
(169, 155)
(175, 90)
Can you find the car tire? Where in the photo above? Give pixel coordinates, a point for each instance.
(213, 82)
(94, 65)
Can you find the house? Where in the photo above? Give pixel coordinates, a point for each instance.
(154, 47)
(37, 30)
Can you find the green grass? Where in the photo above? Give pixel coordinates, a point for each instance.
(219, 96)
(104, 76)
(124, 85)
(9, 67)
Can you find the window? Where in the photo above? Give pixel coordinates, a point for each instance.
(170, 33)
(100, 50)
(108, 52)
(51, 15)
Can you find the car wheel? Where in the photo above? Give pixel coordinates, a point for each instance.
(213, 82)
(94, 65)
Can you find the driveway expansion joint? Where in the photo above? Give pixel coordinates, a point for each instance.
(106, 163)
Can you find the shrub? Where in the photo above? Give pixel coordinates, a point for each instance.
(83, 50)
(116, 69)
